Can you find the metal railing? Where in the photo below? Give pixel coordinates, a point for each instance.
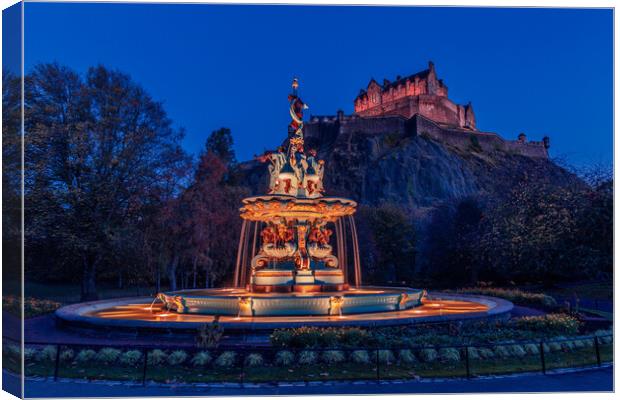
(59, 360)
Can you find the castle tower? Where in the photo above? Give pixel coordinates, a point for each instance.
(421, 93)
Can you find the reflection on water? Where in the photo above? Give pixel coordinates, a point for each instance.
(142, 312)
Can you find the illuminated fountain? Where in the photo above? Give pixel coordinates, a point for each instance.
(297, 264)
(289, 260)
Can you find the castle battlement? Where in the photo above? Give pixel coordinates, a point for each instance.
(421, 93)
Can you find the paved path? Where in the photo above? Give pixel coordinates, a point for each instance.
(592, 380)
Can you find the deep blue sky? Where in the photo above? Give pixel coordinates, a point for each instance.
(540, 71)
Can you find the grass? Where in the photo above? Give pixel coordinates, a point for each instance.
(586, 290)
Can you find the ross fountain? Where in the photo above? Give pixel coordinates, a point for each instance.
(295, 270)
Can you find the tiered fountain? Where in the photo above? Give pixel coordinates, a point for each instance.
(286, 263)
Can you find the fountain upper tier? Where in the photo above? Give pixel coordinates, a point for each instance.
(265, 208)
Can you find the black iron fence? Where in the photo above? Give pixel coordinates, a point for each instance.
(143, 363)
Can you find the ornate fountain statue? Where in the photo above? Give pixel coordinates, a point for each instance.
(295, 251)
(297, 247)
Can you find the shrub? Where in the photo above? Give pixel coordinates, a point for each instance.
(284, 357)
(360, 357)
(177, 357)
(501, 351)
(517, 350)
(305, 337)
(531, 349)
(354, 337)
(554, 346)
(386, 356)
(201, 359)
(449, 354)
(85, 356)
(566, 345)
(209, 335)
(254, 360)
(30, 354)
(406, 356)
(156, 357)
(428, 355)
(486, 353)
(515, 296)
(550, 324)
(130, 357)
(13, 351)
(473, 353)
(107, 355)
(332, 356)
(48, 353)
(67, 355)
(307, 357)
(579, 344)
(226, 359)
(604, 336)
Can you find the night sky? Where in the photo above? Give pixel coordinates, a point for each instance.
(538, 71)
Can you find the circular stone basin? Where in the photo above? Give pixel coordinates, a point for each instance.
(137, 313)
(240, 302)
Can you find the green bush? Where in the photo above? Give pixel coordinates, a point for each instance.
(550, 324)
(177, 357)
(386, 356)
(157, 357)
(85, 356)
(201, 359)
(554, 346)
(604, 336)
(226, 359)
(254, 360)
(473, 353)
(284, 358)
(515, 296)
(486, 353)
(313, 337)
(307, 357)
(406, 356)
(449, 354)
(354, 337)
(501, 351)
(130, 357)
(47, 354)
(66, 355)
(107, 355)
(332, 356)
(428, 355)
(30, 354)
(360, 357)
(531, 349)
(517, 350)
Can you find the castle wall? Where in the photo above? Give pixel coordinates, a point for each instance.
(325, 129)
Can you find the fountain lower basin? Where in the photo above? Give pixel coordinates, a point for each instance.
(241, 302)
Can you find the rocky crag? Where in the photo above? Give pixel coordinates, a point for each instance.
(412, 165)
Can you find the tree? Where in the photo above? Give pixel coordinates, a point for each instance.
(11, 179)
(220, 143)
(99, 149)
(389, 232)
(452, 238)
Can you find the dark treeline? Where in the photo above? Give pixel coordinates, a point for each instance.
(110, 196)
